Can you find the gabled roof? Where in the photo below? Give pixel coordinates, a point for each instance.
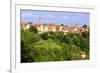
(65, 28)
(51, 25)
(24, 24)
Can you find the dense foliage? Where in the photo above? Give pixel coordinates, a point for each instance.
(53, 46)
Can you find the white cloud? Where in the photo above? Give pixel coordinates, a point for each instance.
(65, 17)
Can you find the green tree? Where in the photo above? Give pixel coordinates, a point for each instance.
(33, 29)
(84, 44)
(84, 26)
(68, 39)
(30, 23)
(85, 34)
(59, 35)
(45, 35)
(76, 40)
(27, 41)
(53, 46)
(62, 24)
(26, 52)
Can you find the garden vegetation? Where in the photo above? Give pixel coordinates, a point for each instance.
(53, 46)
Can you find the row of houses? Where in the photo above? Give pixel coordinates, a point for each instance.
(51, 27)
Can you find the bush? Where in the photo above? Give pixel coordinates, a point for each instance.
(33, 29)
(27, 41)
(53, 46)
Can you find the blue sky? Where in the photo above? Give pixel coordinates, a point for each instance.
(66, 18)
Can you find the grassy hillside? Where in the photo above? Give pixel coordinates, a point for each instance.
(53, 46)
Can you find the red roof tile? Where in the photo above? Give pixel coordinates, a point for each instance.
(23, 24)
(51, 25)
(65, 28)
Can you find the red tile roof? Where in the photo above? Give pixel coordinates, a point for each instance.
(69, 28)
(65, 28)
(23, 24)
(51, 25)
